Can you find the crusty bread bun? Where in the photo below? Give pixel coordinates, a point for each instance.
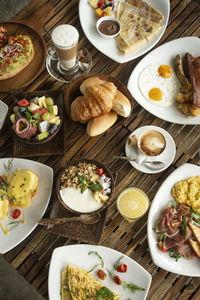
(101, 123)
(121, 105)
(90, 81)
(23, 65)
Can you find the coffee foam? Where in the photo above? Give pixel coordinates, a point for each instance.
(152, 143)
(65, 36)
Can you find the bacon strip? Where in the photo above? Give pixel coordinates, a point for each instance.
(193, 68)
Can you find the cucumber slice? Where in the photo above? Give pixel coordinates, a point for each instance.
(53, 110)
(16, 109)
(46, 116)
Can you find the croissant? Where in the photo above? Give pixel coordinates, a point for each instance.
(97, 99)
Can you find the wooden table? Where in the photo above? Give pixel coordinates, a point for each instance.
(31, 257)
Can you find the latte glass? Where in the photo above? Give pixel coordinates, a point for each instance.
(65, 39)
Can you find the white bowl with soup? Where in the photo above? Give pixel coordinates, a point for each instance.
(85, 186)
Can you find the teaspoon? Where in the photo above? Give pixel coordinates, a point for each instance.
(154, 165)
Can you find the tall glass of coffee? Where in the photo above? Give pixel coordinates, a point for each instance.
(65, 39)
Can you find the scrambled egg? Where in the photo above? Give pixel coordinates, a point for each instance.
(188, 191)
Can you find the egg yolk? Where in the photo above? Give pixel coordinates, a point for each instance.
(165, 71)
(155, 94)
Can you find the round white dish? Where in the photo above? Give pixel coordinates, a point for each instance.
(3, 114)
(77, 255)
(161, 200)
(164, 54)
(38, 205)
(108, 46)
(167, 156)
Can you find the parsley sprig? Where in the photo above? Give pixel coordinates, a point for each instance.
(89, 184)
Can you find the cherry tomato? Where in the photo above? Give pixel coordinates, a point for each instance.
(3, 29)
(100, 171)
(11, 40)
(23, 102)
(101, 4)
(117, 280)
(16, 213)
(102, 275)
(39, 111)
(122, 268)
(160, 246)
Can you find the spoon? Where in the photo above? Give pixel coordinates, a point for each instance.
(154, 165)
(86, 219)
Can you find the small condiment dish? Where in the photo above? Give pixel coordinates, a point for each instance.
(108, 24)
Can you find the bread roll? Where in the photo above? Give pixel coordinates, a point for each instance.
(121, 105)
(101, 123)
(90, 81)
(97, 100)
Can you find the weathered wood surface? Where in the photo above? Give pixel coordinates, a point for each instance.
(31, 257)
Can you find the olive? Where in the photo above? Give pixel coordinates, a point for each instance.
(53, 128)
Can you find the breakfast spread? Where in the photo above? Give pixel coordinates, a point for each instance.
(16, 191)
(100, 105)
(178, 228)
(85, 187)
(35, 120)
(188, 96)
(16, 53)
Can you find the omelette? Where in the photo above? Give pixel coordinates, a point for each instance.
(22, 187)
(78, 284)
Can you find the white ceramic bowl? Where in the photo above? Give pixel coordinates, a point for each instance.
(108, 18)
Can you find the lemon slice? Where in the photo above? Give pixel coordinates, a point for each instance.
(132, 203)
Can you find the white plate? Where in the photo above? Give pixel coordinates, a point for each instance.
(3, 112)
(167, 156)
(161, 200)
(77, 255)
(38, 205)
(164, 54)
(107, 46)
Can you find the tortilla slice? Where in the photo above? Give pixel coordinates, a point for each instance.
(80, 284)
(195, 230)
(145, 6)
(147, 14)
(195, 246)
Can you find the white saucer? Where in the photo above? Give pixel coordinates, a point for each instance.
(167, 156)
(3, 114)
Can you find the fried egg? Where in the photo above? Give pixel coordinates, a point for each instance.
(159, 84)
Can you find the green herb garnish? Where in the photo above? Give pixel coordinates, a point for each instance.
(195, 217)
(104, 294)
(14, 225)
(9, 165)
(133, 287)
(99, 264)
(37, 116)
(95, 187)
(184, 227)
(118, 262)
(174, 254)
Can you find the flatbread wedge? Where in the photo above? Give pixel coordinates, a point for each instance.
(195, 230)
(195, 246)
(144, 6)
(15, 56)
(78, 284)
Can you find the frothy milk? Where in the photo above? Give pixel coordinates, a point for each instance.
(65, 39)
(152, 143)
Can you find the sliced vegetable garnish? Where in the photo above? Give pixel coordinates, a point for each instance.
(184, 227)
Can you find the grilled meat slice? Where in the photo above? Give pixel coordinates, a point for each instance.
(193, 70)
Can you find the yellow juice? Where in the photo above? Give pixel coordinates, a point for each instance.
(132, 203)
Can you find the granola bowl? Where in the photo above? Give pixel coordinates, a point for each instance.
(85, 186)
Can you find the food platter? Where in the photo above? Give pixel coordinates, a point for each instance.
(77, 255)
(160, 201)
(164, 54)
(109, 48)
(4, 111)
(35, 211)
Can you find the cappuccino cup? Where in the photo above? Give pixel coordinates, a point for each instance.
(151, 143)
(65, 39)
